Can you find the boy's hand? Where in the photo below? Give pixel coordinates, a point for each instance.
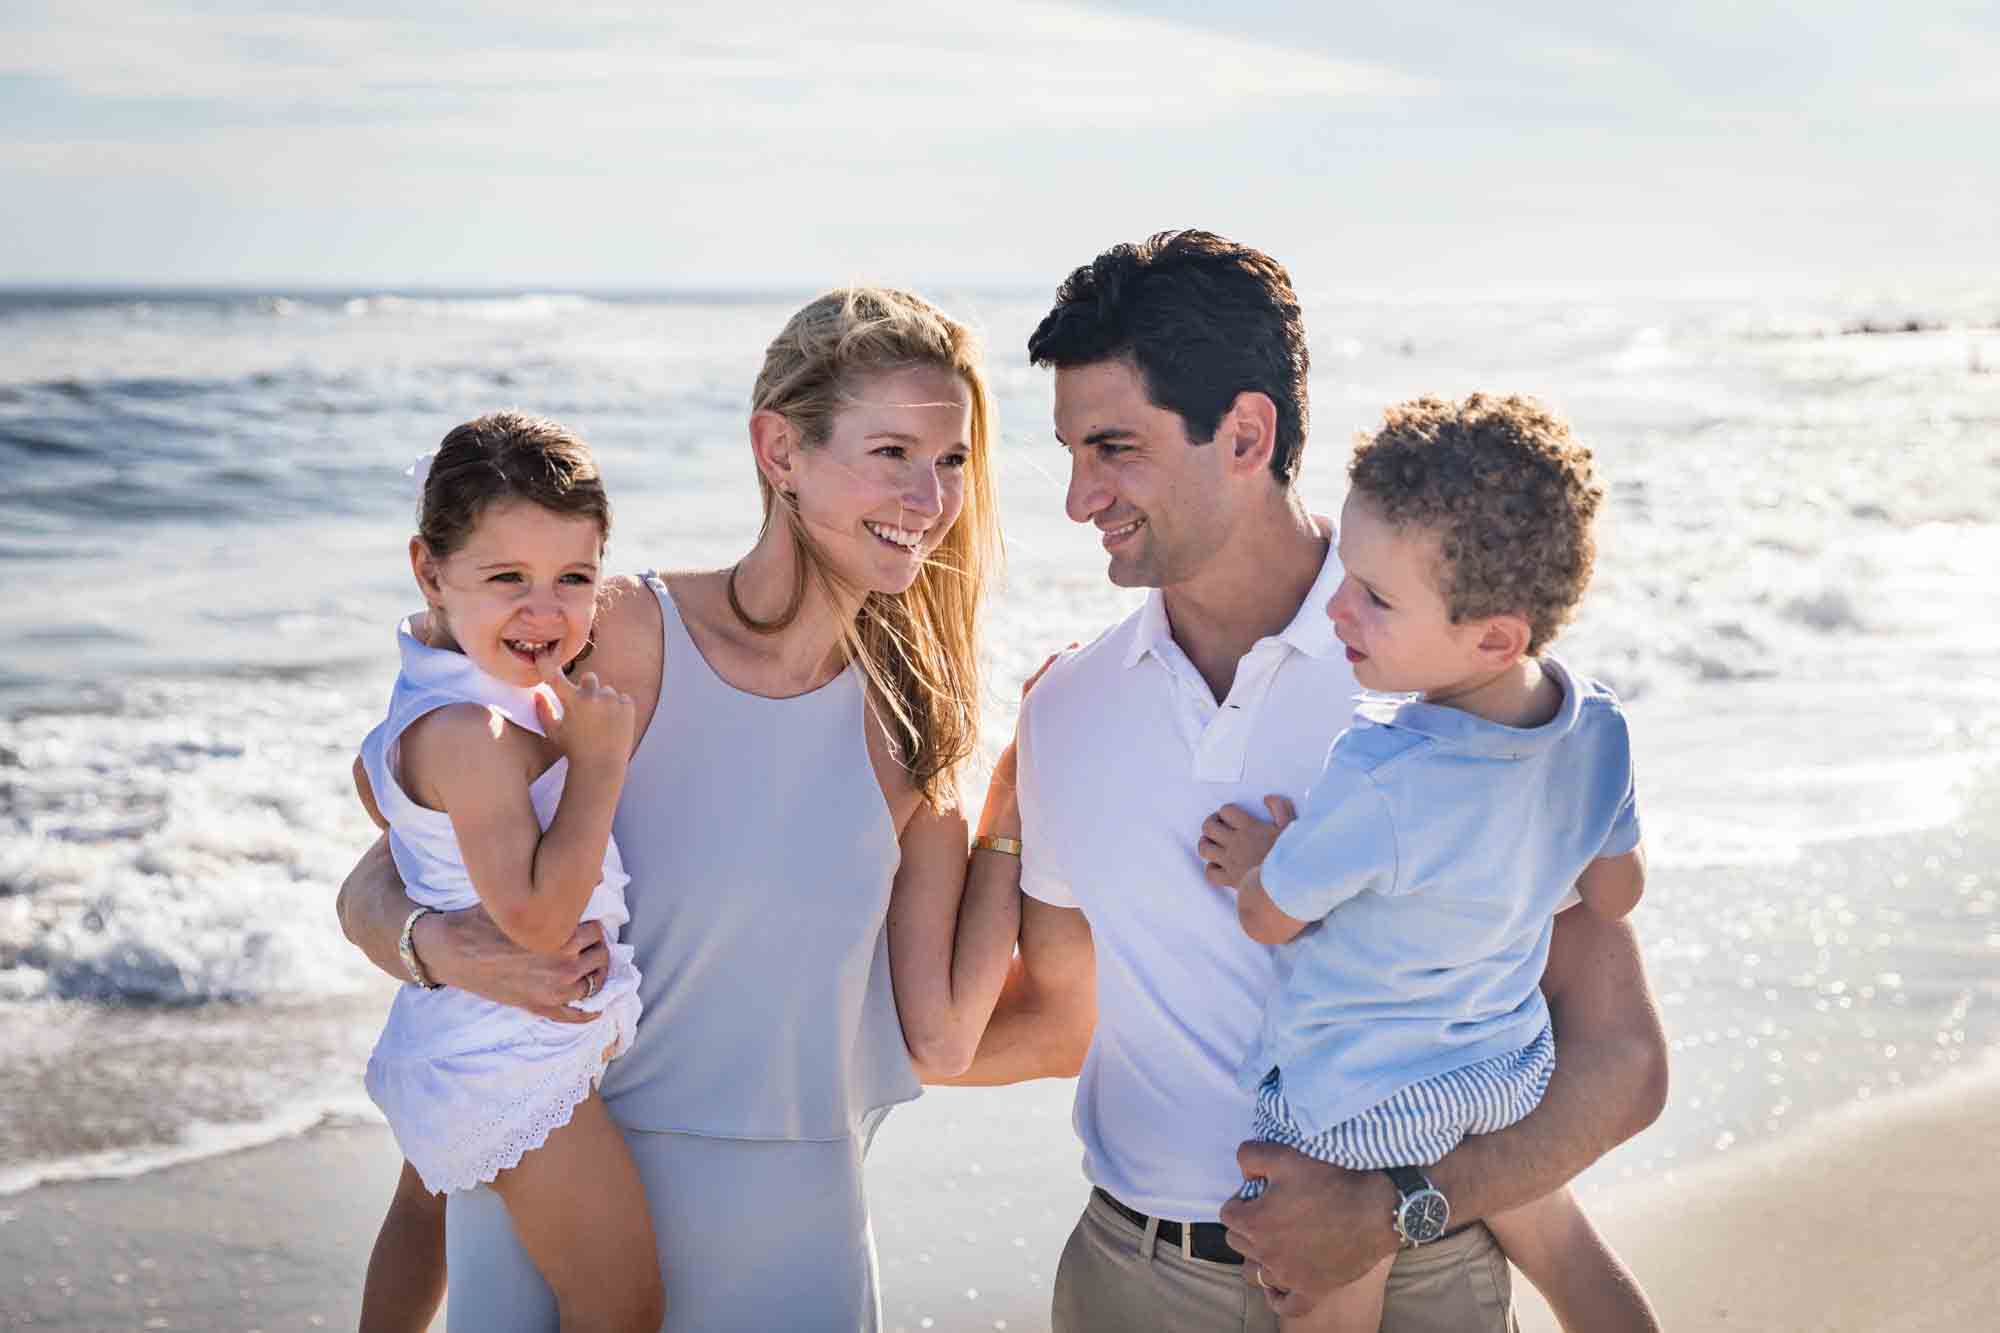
(596, 722)
(1234, 841)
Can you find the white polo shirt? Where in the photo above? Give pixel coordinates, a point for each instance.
(1123, 753)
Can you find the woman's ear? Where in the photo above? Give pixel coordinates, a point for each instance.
(774, 441)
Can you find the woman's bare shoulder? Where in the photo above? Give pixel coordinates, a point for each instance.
(627, 633)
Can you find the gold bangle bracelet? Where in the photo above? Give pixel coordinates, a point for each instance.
(987, 842)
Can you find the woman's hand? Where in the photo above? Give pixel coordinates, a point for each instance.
(465, 949)
(1234, 842)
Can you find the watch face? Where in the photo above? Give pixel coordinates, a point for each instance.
(1424, 1216)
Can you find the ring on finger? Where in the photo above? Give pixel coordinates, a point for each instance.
(1260, 1278)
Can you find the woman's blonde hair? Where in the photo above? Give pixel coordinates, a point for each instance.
(918, 648)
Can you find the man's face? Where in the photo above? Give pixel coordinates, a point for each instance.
(1160, 503)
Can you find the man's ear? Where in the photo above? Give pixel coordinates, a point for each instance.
(1249, 431)
(1504, 639)
(774, 440)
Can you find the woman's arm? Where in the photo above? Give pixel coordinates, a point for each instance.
(953, 920)
(465, 949)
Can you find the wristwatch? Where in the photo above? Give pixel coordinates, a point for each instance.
(1422, 1215)
(406, 949)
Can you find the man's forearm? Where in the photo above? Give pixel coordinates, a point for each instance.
(1027, 1038)
(1610, 1080)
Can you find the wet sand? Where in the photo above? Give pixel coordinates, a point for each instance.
(1873, 1219)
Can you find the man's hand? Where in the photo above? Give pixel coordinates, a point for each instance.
(1234, 842)
(465, 949)
(1316, 1226)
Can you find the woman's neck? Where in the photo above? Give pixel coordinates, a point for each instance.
(809, 649)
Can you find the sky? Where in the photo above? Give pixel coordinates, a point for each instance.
(732, 144)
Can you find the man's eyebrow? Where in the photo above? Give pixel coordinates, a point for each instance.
(1110, 434)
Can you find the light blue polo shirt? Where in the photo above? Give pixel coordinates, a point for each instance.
(1446, 843)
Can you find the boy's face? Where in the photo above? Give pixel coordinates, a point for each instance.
(1390, 611)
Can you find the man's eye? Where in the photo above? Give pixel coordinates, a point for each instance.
(1377, 600)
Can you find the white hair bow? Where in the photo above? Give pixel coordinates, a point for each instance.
(419, 471)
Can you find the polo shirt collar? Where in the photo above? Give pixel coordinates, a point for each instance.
(1467, 734)
(1310, 630)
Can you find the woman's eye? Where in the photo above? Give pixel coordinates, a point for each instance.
(509, 577)
(581, 580)
(1377, 601)
(956, 460)
(890, 451)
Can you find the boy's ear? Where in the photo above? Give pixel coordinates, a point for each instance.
(1504, 639)
(425, 566)
(1249, 430)
(775, 443)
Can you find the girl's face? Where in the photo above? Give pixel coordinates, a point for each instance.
(523, 587)
(886, 486)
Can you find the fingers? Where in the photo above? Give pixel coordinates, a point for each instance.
(1281, 810)
(1256, 1157)
(551, 672)
(1041, 670)
(1217, 877)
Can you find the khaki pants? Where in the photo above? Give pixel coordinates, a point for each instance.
(1113, 1278)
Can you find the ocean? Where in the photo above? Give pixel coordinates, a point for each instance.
(203, 519)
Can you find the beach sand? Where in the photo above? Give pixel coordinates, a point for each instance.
(1874, 1219)
(1877, 1218)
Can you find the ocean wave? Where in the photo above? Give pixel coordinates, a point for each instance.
(526, 306)
(179, 844)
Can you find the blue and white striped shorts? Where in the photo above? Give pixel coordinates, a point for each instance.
(1421, 1123)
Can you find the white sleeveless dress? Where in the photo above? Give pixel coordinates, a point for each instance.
(467, 1085)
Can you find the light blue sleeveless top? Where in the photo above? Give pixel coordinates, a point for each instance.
(761, 854)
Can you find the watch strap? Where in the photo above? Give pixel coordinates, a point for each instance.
(1407, 1179)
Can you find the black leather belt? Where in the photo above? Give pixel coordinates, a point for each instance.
(1205, 1242)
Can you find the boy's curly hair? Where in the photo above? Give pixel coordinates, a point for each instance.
(1508, 490)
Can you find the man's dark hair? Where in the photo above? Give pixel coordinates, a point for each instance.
(1202, 318)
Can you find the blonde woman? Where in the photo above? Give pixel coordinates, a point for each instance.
(798, 853)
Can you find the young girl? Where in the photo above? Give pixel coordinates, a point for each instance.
(1416, 896)
(496, 778)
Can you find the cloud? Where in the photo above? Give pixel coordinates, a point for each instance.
(707, 67)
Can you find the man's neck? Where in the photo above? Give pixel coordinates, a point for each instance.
(1250, 591)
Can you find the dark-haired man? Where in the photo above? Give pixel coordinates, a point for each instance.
(1180, 394)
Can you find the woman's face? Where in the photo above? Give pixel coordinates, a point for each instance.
(889, 481)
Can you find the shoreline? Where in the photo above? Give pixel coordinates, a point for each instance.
(1854, 1222)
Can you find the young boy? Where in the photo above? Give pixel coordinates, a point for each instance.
(1417, 893)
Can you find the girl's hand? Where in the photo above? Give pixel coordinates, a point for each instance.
(596, 721)
(1234, 841)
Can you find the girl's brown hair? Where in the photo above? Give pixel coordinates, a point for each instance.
(918, 648)
(507, 456)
